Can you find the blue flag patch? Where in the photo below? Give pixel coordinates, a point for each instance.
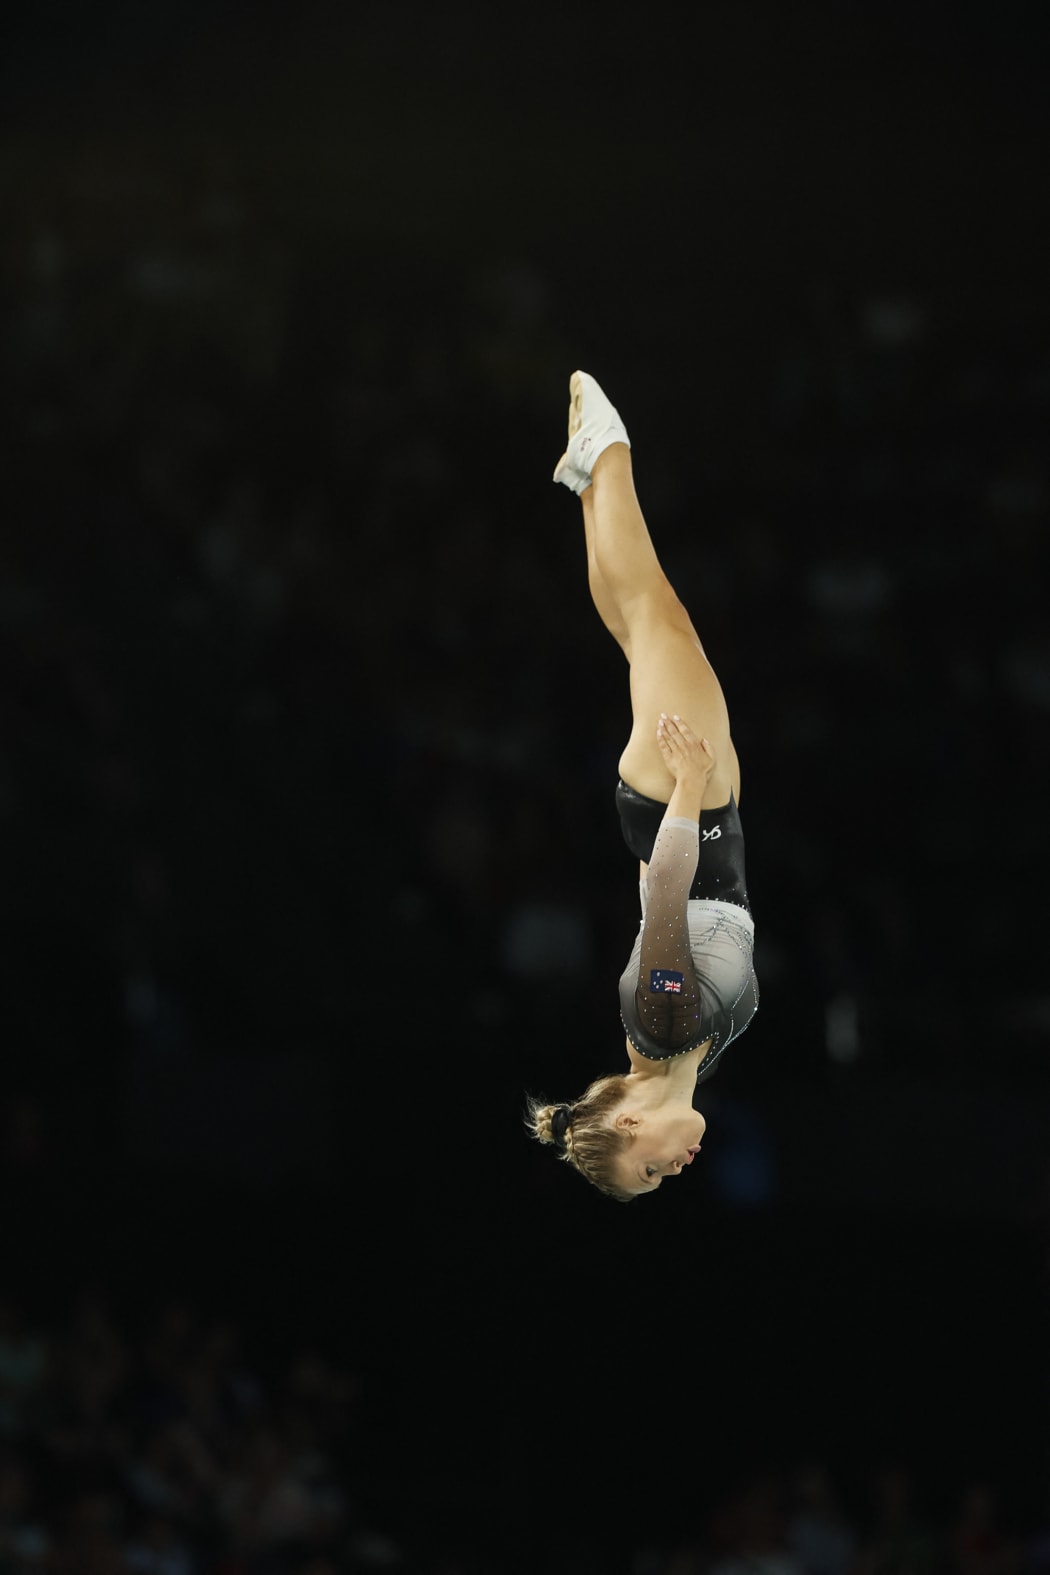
(664, 981)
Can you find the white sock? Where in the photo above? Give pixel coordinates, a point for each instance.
(601, 426)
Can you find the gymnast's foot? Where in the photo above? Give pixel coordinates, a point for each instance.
(594, 424)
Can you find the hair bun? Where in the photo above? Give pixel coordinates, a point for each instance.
(561, 1121)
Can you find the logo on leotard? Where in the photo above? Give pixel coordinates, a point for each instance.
(663, 982)
(712, 835)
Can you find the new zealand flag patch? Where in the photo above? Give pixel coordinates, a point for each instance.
(663, 981)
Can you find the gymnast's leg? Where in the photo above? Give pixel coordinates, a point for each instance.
(669, 670)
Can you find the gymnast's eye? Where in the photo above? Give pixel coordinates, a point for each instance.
(650, 1170)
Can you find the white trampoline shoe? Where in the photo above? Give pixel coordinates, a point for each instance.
(593, 425)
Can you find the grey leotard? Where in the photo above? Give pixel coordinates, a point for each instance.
(691, 973)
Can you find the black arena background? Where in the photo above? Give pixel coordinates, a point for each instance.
(311, 868)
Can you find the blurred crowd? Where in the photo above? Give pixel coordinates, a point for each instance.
(167, 1439)
(804, 1521)
(163, 1448)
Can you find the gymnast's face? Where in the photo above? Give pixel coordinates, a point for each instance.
(665, 1142)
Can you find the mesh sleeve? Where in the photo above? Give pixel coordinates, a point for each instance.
(667, 993)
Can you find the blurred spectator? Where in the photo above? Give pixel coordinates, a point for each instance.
(978, 1543)
(896, 1539)
(156, 1548)
(750, 1533)
(24, 1541)
(23, 1370)
(818, 1532)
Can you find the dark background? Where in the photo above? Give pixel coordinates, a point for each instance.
(309, 737)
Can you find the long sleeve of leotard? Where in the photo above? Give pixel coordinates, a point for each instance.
(667, 993)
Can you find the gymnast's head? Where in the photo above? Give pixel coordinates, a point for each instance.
(622, 1150)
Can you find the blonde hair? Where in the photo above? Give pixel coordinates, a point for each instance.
(592, 1144)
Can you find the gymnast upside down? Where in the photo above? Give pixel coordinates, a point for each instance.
(689, 988)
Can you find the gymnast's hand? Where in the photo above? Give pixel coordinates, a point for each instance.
(689, 759)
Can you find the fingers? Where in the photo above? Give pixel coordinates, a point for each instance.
(672, 730)
(672, 727)
(681, 749)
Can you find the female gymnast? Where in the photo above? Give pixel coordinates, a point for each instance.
(689, 988)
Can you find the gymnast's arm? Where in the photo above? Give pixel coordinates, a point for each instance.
(667, 994)
(690, 760)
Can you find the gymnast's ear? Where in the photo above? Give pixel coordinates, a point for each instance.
(625, 1122)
